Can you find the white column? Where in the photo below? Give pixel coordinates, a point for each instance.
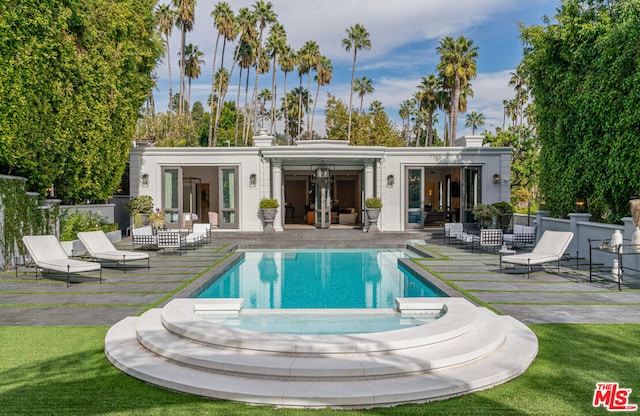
(276, 191)
(368, 178)
(368, 187)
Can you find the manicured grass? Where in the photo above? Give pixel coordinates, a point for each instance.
(63, 371)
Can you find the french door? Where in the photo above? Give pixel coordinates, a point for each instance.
(414, 198)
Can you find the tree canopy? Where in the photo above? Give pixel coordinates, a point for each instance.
(73, 76)
(584, 77)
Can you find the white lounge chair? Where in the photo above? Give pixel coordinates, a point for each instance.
(47, 254)
(100, 247)
(550, 248)
(202, 229)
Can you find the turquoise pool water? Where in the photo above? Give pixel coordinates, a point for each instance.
(323, 279)
(322, 323)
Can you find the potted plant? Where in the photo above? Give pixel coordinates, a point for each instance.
(373, 206)
(157, 219)
(505, 215)
(140, 208)
(268, 209)
(484, 214)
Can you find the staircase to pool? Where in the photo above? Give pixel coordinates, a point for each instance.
(467, 349)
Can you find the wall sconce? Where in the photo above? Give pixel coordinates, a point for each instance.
(145, 179)
(581, 205)
(496, 179)
(252, 180)
(390, 181)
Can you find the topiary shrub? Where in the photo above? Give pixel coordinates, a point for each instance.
(373, 203)
(269, 203)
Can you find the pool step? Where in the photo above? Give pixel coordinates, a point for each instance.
(483, 338)
(490, 351)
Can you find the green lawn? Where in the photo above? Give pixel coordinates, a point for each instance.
(63, 370)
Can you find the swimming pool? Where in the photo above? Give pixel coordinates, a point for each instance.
(321, 279)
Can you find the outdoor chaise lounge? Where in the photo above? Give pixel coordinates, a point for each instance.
(47, 254)
(550, 248)
(100, 247)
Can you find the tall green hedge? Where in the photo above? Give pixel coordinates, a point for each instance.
(584, 74)
(73, 75)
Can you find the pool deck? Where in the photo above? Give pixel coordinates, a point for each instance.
(547, 297)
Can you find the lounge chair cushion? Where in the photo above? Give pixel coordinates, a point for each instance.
(551, 247)
(100, 247)
(47, 253)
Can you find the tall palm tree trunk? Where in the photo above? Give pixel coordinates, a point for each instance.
(353, 72)
(235, 136)
(213, 82)
(300, 109)
(183, 37)
(247, 116)
(286, 111)
(273, 98)
(170, 81)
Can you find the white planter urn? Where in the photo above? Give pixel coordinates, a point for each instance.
(635, 240)
(616, 239)
(268, 216)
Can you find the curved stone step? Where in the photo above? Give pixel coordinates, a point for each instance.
(506, 362)
(480, 340)
(179, 317)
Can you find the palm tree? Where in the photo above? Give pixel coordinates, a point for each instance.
(429, 87)
(192, 68)
(310, 57)
(458, 66)
(474, 120)
(224, 22)
(288, 59)
(166, 20)
(246, 57)
(264, 96)
(363, 86)
(296, 100)
(185, 18)
(276, 41)
(405, 114)
(265, 15)
(324, 73)
(376, 107)
(357, 38)
(419, 115)
(519, 84)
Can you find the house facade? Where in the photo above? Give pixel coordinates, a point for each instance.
(320, 183)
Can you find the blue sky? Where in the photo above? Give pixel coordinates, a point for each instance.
(404, 36)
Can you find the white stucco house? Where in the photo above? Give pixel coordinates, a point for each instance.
(321, 183)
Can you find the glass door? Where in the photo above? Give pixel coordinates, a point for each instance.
(414, 198)
(471, 191)
(171, 196)
(228, 197)
(323, 198)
